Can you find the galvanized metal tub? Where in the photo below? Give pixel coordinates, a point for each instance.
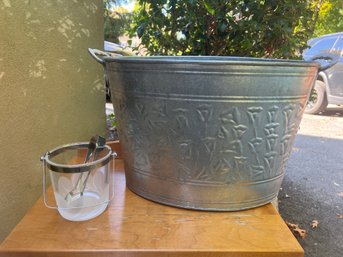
(208, 133)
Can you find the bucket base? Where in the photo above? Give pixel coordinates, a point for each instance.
(227, 197)
(75, 211)
(205, 206)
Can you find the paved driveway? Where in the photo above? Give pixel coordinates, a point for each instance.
(313, 185)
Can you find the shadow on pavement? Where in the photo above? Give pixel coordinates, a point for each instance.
(333, 111)
(311, 191)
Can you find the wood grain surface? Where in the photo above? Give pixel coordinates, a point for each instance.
(135, 227)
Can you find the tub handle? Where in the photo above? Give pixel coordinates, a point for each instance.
(95, 53)
(330, 59)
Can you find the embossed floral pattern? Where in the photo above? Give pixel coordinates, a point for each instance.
(208, 142)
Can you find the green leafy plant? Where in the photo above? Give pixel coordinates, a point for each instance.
(327, 17)
(260, 28)
(112, 119)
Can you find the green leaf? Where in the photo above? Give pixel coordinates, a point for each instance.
(209, 8)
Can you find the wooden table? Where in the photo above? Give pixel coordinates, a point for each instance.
(133, 226)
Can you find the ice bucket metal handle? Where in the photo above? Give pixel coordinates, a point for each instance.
(43, 159)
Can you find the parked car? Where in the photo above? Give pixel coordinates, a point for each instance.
(328, 88)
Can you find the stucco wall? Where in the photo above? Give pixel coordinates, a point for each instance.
(51, 91)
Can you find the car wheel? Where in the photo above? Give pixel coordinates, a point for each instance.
(318, 100)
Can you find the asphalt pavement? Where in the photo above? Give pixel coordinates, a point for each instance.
(312, 189)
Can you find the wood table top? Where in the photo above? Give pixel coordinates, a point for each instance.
(135, 227)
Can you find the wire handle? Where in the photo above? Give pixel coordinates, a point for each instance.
(43, 159)
(44, 171)
(111, 174)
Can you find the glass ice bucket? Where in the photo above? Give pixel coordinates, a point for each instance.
(82, 190)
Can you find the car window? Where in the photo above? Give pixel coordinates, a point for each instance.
(338, 47)
(322, 46)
